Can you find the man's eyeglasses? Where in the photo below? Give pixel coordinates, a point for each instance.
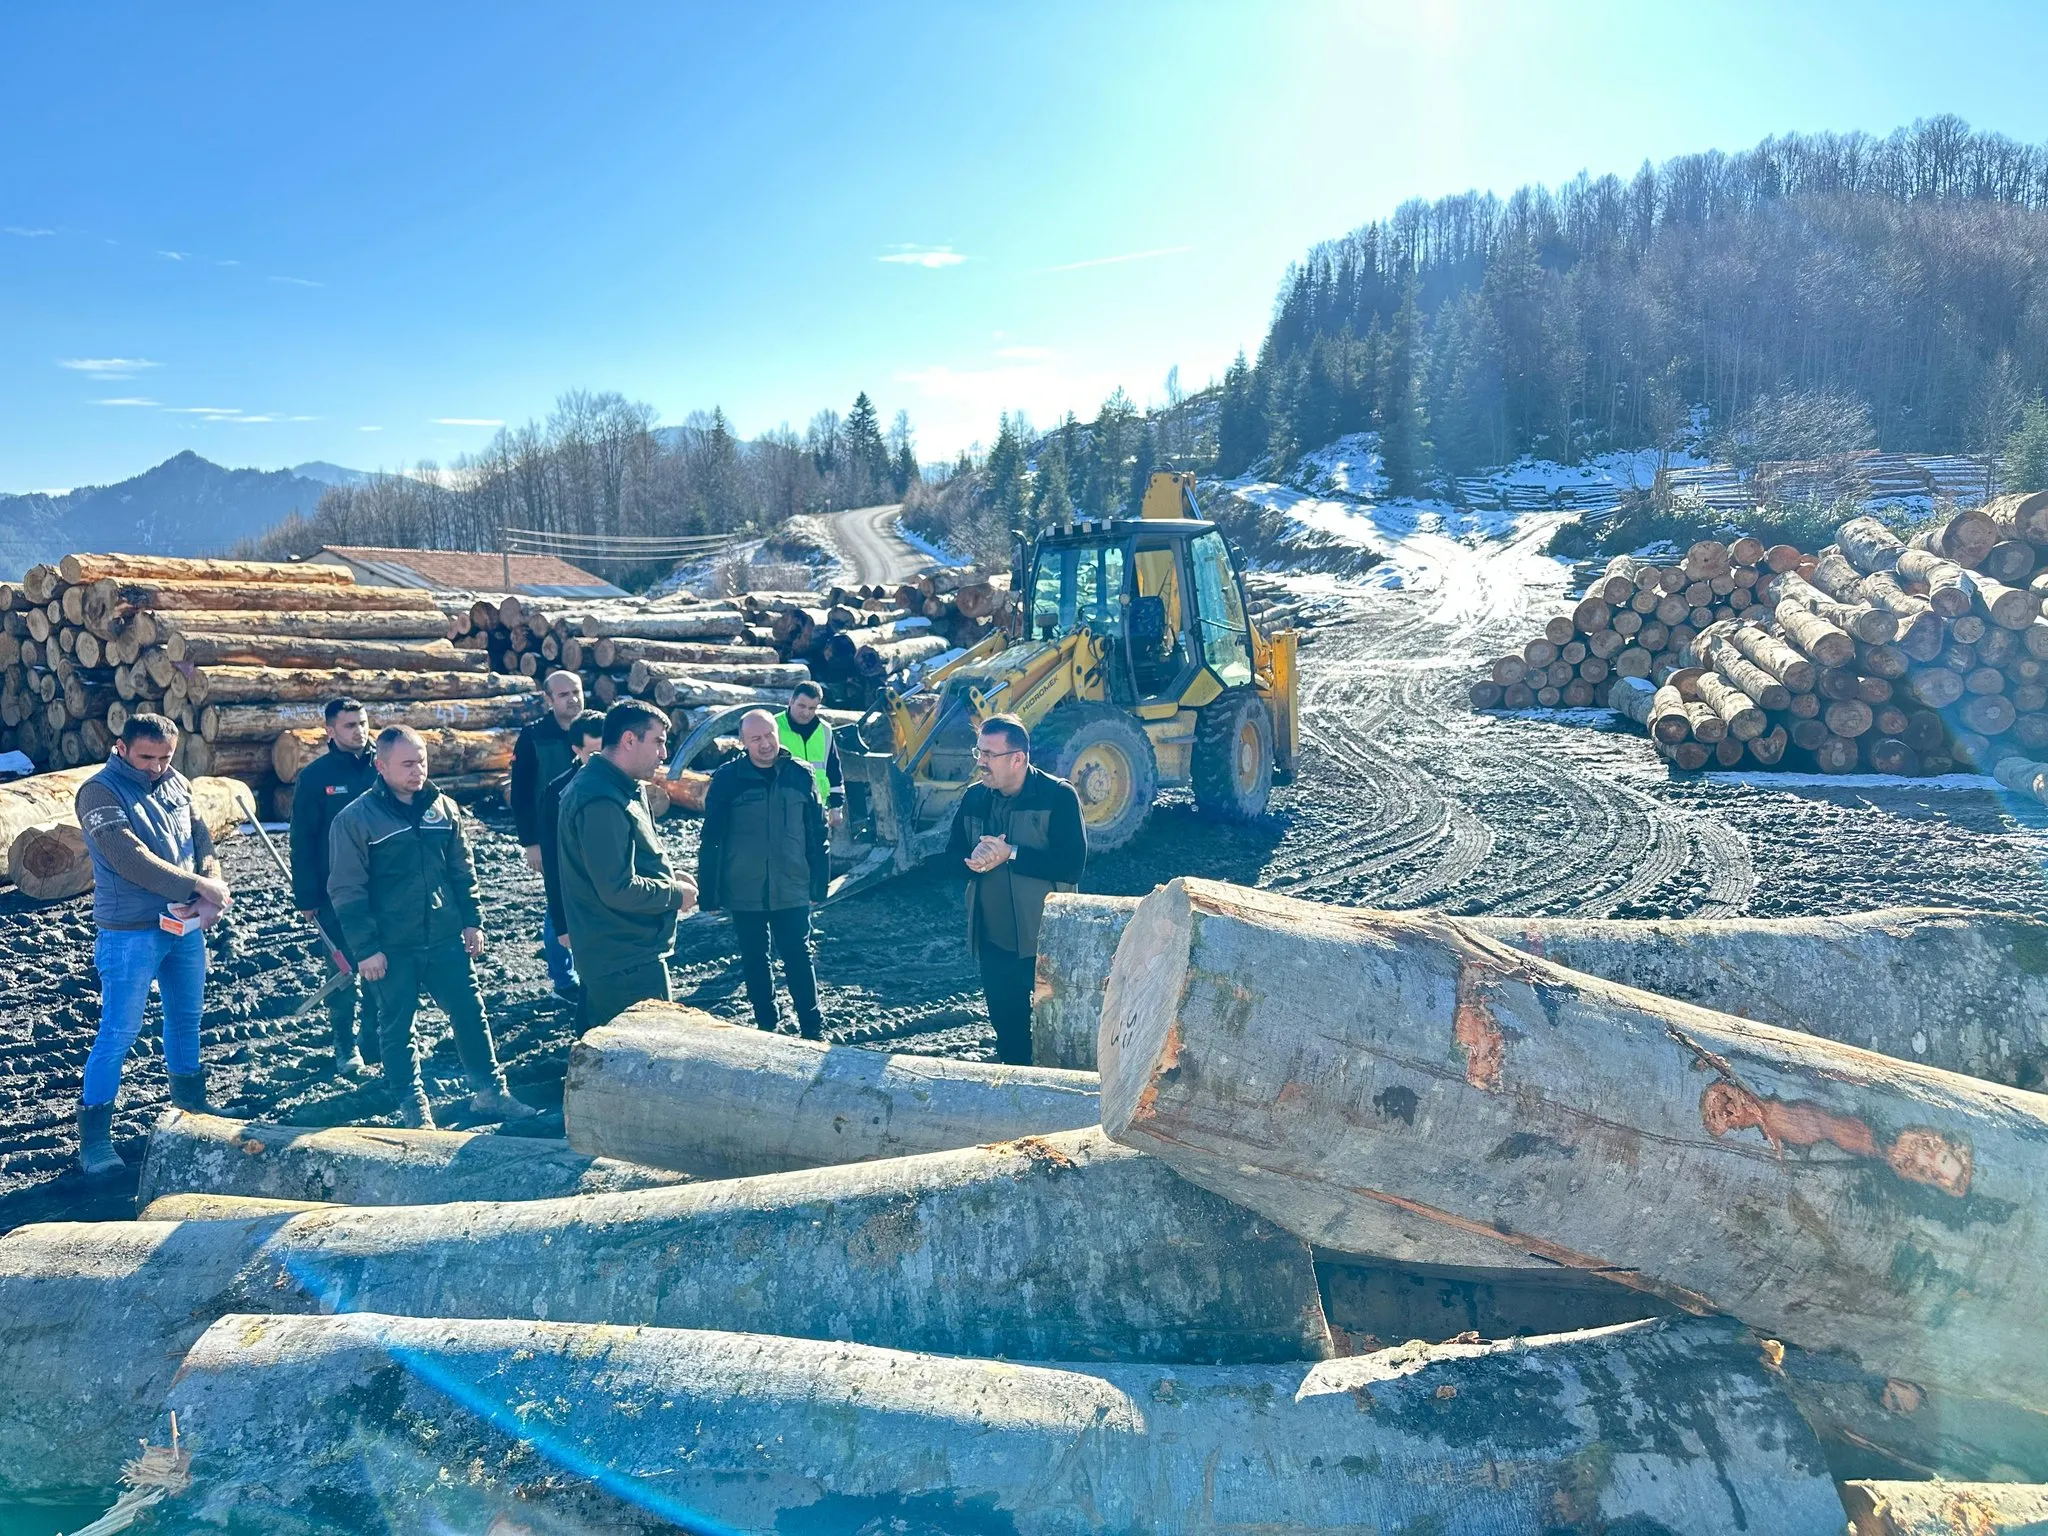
(989, 757)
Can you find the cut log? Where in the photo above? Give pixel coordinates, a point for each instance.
(2007, 607)
(1987, 714)
(1965, 537)
(1962, 991)
(1941, 1508)
(1439, 1074)
(730, 1432)
(689, 676)
(1950, 588)
(199, 1207)
(1887, 754)
(608, 653)
(1859, 619)
(1936, 687)
(318, 624)
(209, 649)
(1869, 545)
(1795, 671)
(263, 722)
(1848, 717)
(672, 1087)
(2009, 560)
(1742, 715)
(347, 1165)
(1591, 615)
(277, 597)
(268, 685)
(2021, 515)
(595, 624)
(1707, 726)
(79, 569)
(448, 751)
(1047, 1248)
(1669, 721)
(1768, 750)
(1819, 638)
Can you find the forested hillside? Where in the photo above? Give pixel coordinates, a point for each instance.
(600, 465)
(1812, 291)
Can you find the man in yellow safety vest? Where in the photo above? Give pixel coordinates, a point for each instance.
(809, 741)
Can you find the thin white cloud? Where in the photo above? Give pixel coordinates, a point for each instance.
(299, 418)
(30, 234)
(467, 421)
(1111, 261)
(1025, 354)
(204, 410)
(107, 367)
(242, 420)
(297, 282)
(931, 258)
(174, 255)
(125, 400)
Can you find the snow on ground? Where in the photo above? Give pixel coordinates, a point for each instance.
(937, 553)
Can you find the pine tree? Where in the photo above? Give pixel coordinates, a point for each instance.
(1145, 461)
(1052, 503)
(1240, 433)
(1404, 443)
(903, 470)
(866, 455)
(2026, 451)
(1005, 486)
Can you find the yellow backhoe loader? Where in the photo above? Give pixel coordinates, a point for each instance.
(1138, 669)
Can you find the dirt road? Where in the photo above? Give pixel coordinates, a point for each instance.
(1404, 798)
(871, 549)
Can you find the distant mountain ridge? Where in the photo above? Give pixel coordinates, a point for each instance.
(184, 506)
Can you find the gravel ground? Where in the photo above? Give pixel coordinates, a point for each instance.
(1404, 798)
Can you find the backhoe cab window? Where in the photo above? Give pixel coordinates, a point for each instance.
(1078, 588)
(1221, 609)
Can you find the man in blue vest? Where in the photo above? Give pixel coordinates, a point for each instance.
(154, 874)
(809, 740)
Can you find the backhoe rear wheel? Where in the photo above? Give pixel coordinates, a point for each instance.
(1233, 758)
(1107, 757)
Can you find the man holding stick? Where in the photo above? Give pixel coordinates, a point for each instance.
(324, 789)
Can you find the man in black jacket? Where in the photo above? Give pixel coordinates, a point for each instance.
(620, 895)
(586, 736)
(401, 883)
(540, 756)
(1020, 835)
(324, 788)
(764, 860)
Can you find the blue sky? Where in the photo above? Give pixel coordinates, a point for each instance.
(365, 233)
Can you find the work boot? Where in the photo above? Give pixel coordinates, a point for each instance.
(188, 1091)
(496, 1103)
(348, 1061)
(415, 1112)
(812, 1028)
(96, 1154)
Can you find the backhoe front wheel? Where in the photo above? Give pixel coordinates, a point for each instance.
(1233, 759)
(1106, 756)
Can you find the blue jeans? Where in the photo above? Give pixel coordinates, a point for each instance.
(561, 965)
(128, 963)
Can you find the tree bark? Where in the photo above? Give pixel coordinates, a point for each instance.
(593, 624)
(1048, 1248)
(689, 675)
(672, 1087)
(263, 722)
(1834, 1198)
(1950, 588)
(448, 751)
(372, 624)
(201, 1207)
(1664, 1425)
(1944, 1508)
(281, 685)
(303, 598)
(349, 1165)
(78, 569)
(608, 653)
(1795, 671)
(1869, 545)
(208, 649)
(1962, 991)
(49, 862)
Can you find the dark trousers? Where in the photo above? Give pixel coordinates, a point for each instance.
(1006, 981)
(342, 1003)
(446, 975)
(790, 930)
(606, 997)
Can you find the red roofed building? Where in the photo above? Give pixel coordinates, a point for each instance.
(457, 570)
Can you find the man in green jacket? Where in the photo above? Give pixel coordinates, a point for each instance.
(325, 788)
(620, 894)
(400, 882)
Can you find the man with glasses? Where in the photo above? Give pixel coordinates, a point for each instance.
(620, 894)
(764, 862)
(1019, 834)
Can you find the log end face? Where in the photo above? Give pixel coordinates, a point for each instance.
(1138, 1043)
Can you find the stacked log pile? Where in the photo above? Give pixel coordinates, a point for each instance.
(1878, 654)
(237, 653)
(698, 655)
